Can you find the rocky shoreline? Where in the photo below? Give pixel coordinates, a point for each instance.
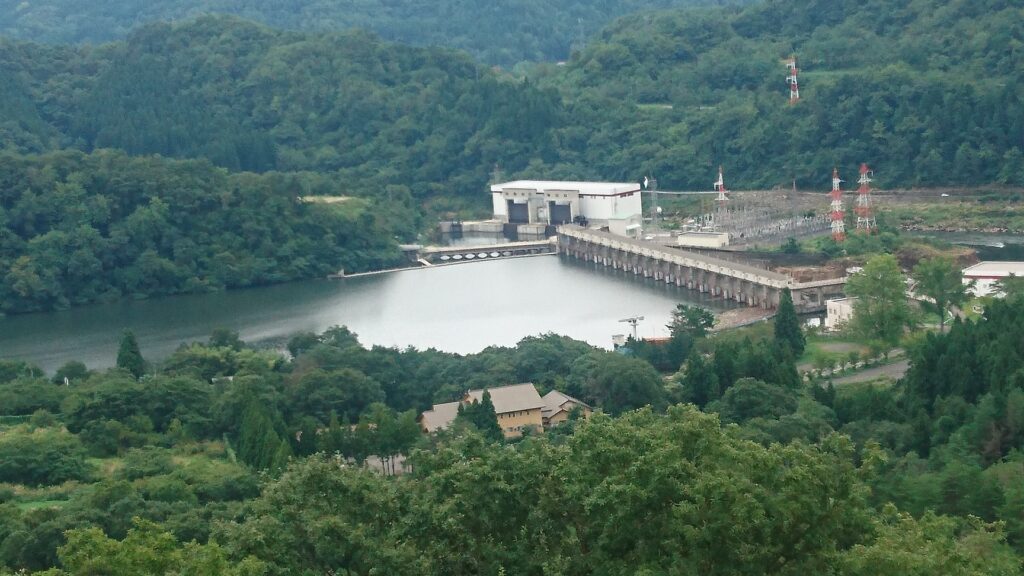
(958, 229)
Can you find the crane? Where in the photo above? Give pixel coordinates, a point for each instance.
(632, 321)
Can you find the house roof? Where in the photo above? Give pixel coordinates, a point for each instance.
(994, 269)
(555, 401)
(585, 188)
(440, 416)
(510, 398)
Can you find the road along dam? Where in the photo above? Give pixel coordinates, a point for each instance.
(741, 282)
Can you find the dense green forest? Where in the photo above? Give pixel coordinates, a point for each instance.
(77, 228)
(249, 98)
(496, 32)
(925, 91)
(224, 459)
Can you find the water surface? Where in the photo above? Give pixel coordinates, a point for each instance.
(459, 308)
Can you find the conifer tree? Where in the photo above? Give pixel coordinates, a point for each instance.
(700, 384)
(482, 416)
(486, 419)
(129, 357)
(281, 457)
(268, 447)
(787, 325)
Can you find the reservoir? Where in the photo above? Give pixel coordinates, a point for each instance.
(459, 308)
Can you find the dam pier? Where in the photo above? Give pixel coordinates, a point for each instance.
(741, 282)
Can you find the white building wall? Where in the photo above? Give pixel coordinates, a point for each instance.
(599, 202)
(500, 208)
(982, 286)
(703, 239)
(602, 208)
(838, 313)
(986, 274)
(610, 207)
(629, 227)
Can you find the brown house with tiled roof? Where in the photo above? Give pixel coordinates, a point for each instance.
(557, 407)
(518, 407)
(439, 417)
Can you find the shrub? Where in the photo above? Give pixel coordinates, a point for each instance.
(41, 457)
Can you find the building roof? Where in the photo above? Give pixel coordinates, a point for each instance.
(994, 269)
(440, 416)
(585, 188)
(510, 398)
(554, 401)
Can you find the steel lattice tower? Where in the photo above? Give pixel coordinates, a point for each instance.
(836, 211)
(722, 201)
(865, 215)
(791, 79)
(720, 188)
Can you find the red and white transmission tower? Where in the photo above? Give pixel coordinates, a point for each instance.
(865, 215)
(794, 85)
(838, 226)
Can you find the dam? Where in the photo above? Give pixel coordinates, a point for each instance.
(741, 282)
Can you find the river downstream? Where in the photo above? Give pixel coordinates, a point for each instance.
(462, 308)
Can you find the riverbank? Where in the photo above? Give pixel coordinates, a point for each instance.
(740, 317)
(999, 214)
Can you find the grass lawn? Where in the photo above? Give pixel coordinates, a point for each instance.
(854, 387)
(833, 347)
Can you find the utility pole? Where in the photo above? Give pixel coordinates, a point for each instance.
(652, 187)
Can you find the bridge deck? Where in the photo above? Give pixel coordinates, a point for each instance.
(682, 257)
(432, 250)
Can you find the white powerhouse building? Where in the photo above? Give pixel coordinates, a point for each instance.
(612, 204)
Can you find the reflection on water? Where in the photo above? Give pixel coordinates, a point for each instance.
(462, 308)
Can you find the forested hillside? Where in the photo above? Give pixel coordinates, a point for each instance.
(926, 91)
(78, 228)
(496, 32)
(249, 98)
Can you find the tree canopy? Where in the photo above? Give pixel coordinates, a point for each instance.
(881, 311)
(941, 281)
(787, 325)
(503, 34)
(78, 228)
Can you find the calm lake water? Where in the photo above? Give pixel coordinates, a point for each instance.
(462, 308)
